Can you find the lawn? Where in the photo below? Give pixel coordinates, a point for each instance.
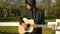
(50, 20)
(14, 30)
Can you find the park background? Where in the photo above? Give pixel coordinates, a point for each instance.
(9, 10)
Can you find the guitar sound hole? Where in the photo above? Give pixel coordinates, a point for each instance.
(28, 27)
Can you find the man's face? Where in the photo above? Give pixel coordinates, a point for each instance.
(28, 6)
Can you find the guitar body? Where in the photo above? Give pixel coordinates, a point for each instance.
(22, 30)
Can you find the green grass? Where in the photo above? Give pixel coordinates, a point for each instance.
(50, 20)
(14, 29)
(48, 31)
(8, 29)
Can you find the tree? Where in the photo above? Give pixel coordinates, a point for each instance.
(56, 9)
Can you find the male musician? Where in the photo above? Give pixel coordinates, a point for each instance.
(33, 13)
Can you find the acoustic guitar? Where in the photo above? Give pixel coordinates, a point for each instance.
(30, 27)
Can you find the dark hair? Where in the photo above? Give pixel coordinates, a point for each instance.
(31, 2)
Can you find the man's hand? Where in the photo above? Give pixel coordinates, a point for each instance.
(24, 24)
(35, 25)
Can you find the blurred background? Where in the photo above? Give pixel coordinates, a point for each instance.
(9, 9)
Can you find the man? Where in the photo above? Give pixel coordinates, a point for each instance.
(33, 13)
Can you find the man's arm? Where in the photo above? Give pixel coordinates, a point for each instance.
(42, 17)
(20, 18)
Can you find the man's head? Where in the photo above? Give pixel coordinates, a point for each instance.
(30, 3)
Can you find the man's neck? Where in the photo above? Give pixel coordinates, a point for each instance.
(33, 10)
(28, 9)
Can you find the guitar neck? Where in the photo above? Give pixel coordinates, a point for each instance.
(42, 25)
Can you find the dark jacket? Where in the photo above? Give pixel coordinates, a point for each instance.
(38, 16)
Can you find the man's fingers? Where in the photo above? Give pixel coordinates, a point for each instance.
(23, 24)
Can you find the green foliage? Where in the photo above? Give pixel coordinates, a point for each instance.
(7, 10)
(8, 19)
